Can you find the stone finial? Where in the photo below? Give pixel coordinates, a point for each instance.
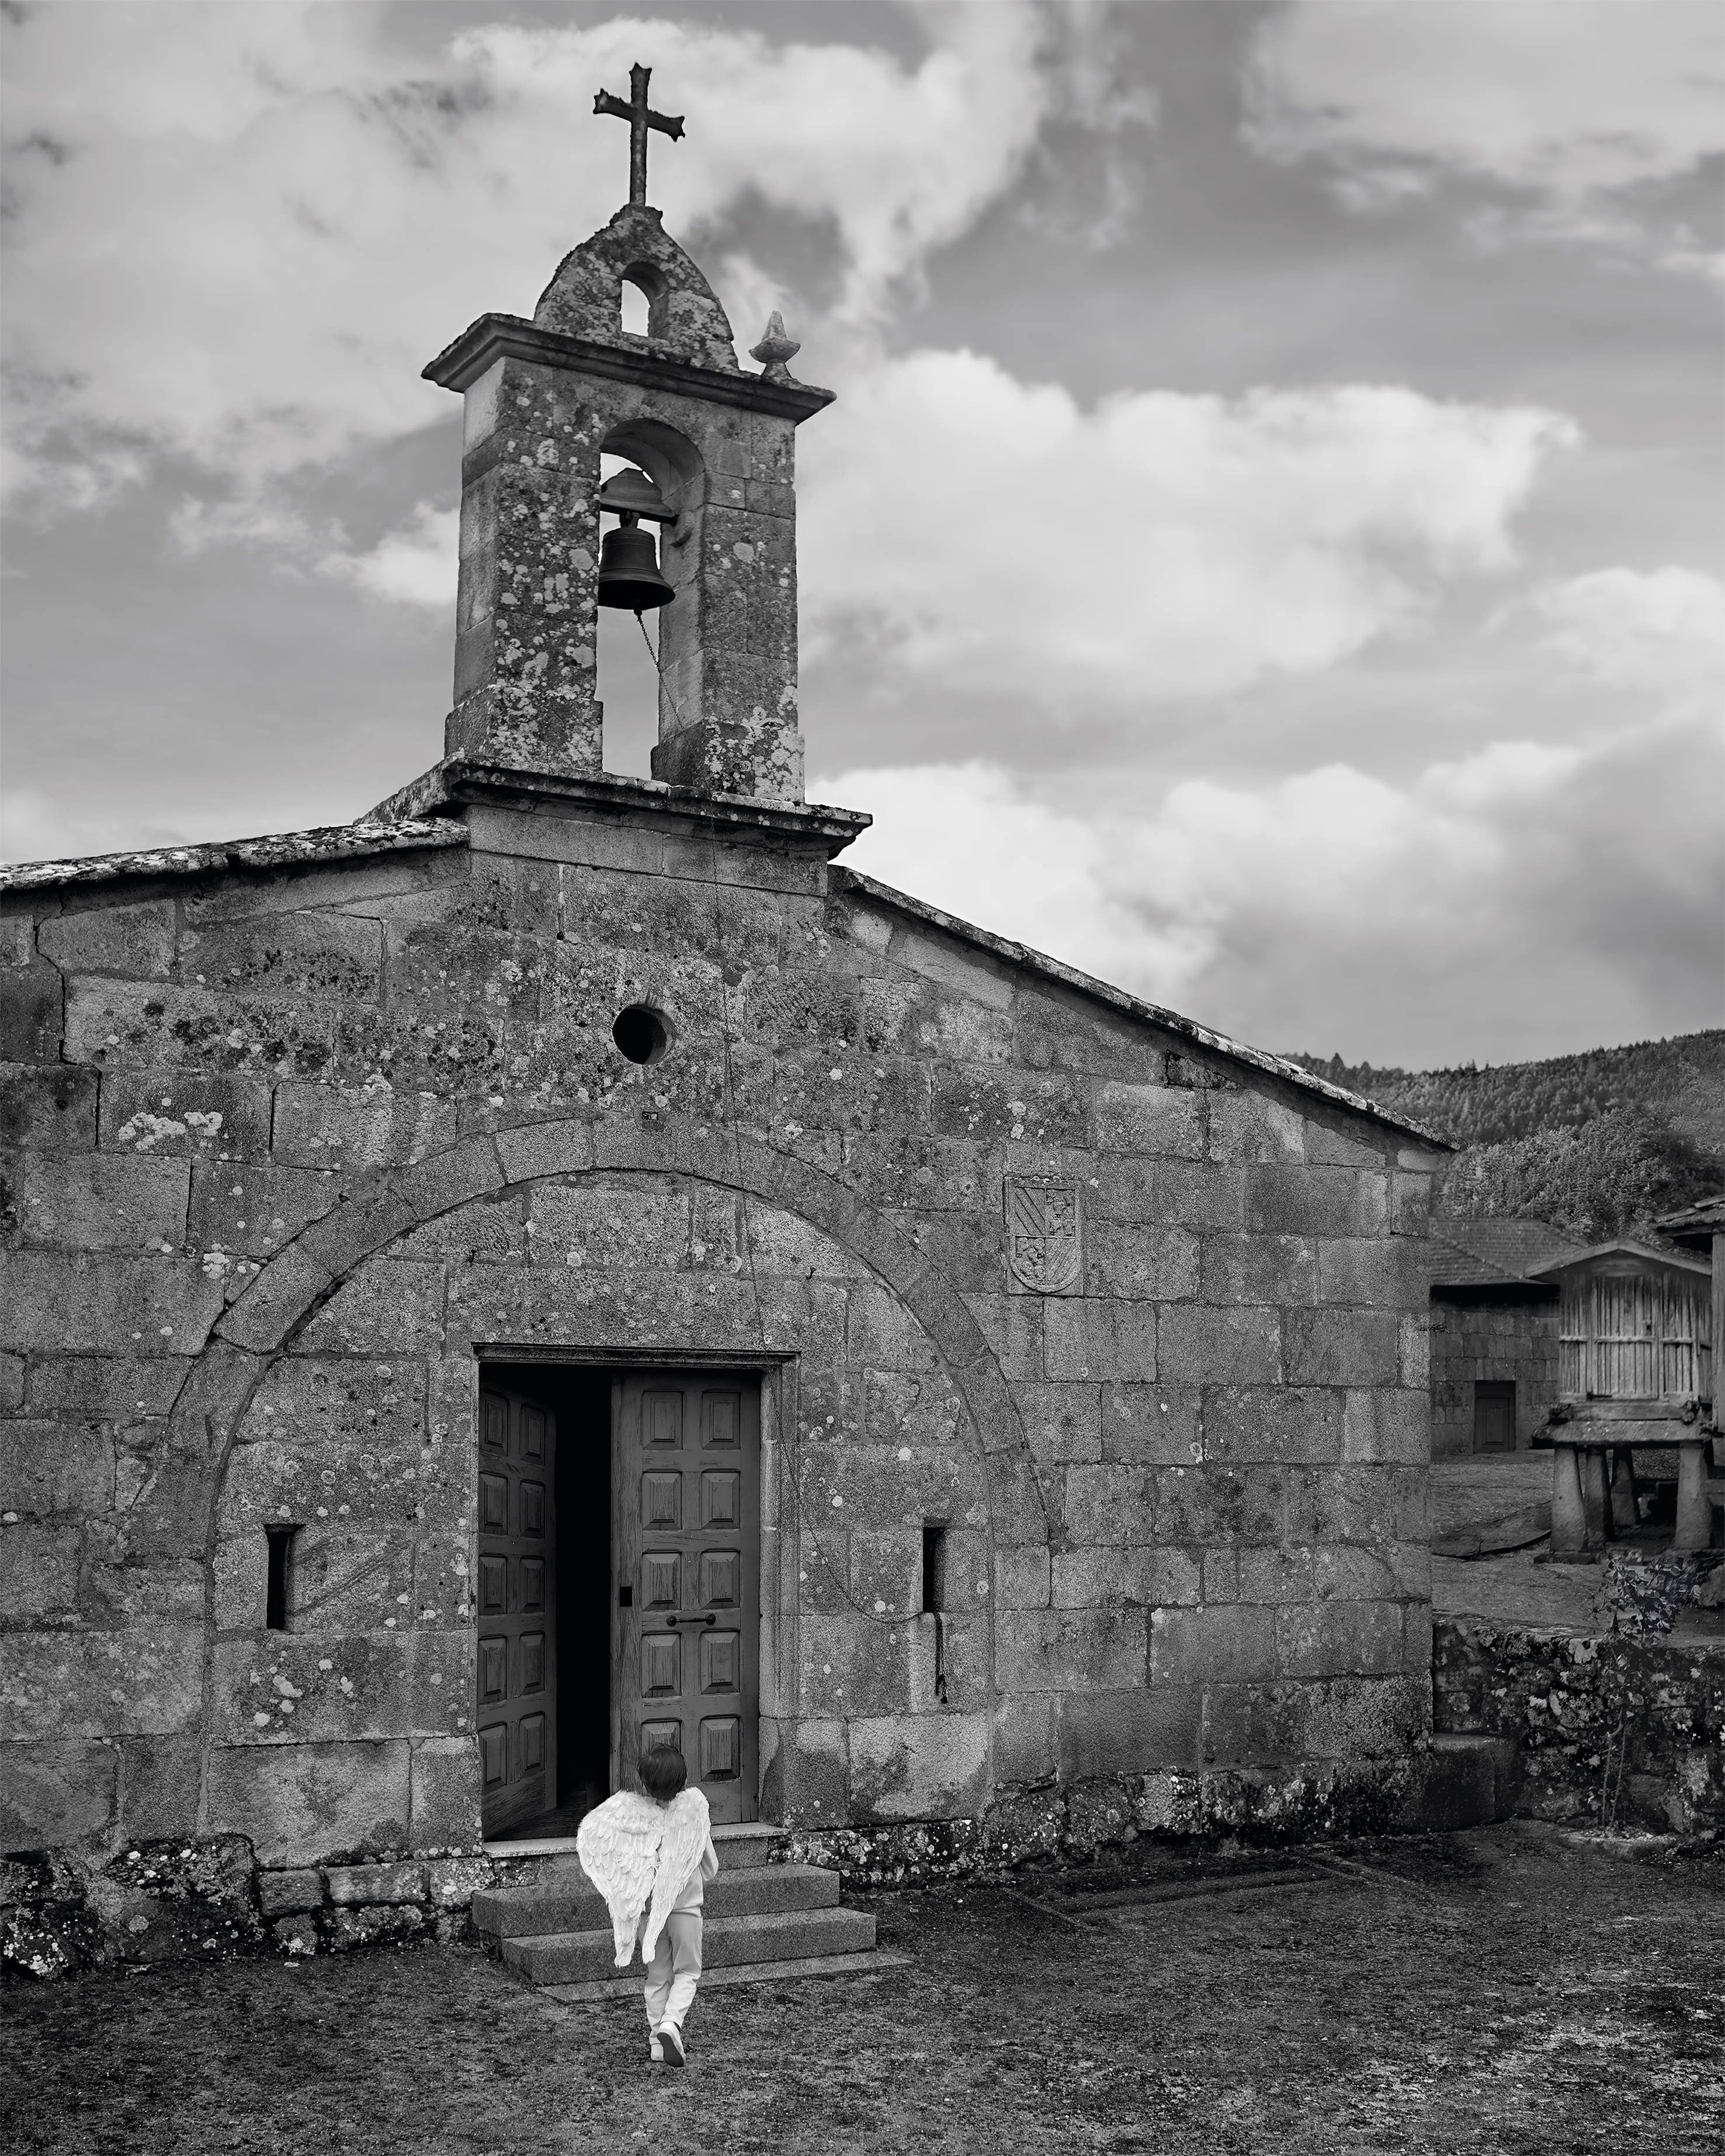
(775, 349)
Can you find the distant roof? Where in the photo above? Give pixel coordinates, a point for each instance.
(1623, 1247)
(1498, 1253)
(284, 849)
(1695, 1227)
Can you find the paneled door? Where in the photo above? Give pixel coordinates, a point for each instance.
(686, 1559)
(516, 1587)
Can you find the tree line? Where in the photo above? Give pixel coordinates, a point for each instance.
(1601, 1144)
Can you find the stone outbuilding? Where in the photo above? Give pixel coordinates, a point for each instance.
(562, 1263)
(1494, 1332)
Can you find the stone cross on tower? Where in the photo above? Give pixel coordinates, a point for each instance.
(641, 117)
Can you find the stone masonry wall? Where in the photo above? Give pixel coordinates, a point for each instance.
(1513, 1342)
(282, 1148)
(1609, 1730)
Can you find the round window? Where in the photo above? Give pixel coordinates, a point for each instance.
(643, 1033)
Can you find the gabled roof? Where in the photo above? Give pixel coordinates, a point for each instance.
(283, 850)
(408, 820)
(1675, 1260)
(1020, 955)
(1695, 1227)
(1497, 1253)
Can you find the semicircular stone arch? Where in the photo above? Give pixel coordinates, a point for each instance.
(358, 1420)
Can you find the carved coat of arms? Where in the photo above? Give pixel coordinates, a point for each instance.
(1045, 1249)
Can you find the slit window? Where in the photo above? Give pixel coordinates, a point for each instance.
(934, 1566)
(278, 1589)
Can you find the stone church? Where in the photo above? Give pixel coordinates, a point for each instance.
(562, 1263)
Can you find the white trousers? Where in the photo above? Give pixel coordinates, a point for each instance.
(675, 1969)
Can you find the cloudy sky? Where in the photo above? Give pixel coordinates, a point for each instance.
(1267, 549)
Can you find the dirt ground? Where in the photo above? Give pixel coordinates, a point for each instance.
(1522, 1586)
(1508, 1990)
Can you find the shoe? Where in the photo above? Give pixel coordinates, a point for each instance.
(655, 2053)
(671, 2039)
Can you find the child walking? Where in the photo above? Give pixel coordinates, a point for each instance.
(651, 1856)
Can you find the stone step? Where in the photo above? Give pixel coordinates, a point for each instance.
(741, 1848)
(874, 1962)
(726, 1943)
(1464, 1780)
(566, 1904)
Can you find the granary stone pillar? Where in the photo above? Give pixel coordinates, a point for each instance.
(545, 399)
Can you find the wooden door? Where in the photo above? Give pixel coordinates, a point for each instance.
(1494, 1416)
(686, 1560)
(516, 1587)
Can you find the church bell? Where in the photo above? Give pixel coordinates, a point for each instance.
(628, 569)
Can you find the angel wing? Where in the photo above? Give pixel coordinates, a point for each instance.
(687, 1822)
(618, 1844)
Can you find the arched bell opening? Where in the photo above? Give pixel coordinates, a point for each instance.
(651, 495)
(644, 299)
(627, 660)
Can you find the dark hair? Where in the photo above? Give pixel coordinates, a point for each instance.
(663, 1773)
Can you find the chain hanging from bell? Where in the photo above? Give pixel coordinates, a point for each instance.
(629, 575)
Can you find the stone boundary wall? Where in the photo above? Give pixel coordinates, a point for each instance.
(1549, 1724)
(1608, 1730)
(1075, 1823)
(209, 1898)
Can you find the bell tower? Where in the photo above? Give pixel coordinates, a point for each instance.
(714, 449)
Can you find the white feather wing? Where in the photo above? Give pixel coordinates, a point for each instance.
(687, 1822)
(618, 1844)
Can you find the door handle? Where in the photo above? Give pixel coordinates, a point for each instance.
(708, 1618)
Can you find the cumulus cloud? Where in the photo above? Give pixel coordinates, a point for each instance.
(196, 526)
(899, 160)
(1570, 102)
(1403, 919)
(1336, 910)
(1159, 544)
(415, 565)
(1092, 171)
(973, 839)
(1656, 628)
(237, 232)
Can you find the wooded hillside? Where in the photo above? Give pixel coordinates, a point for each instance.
(1601, 1143)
